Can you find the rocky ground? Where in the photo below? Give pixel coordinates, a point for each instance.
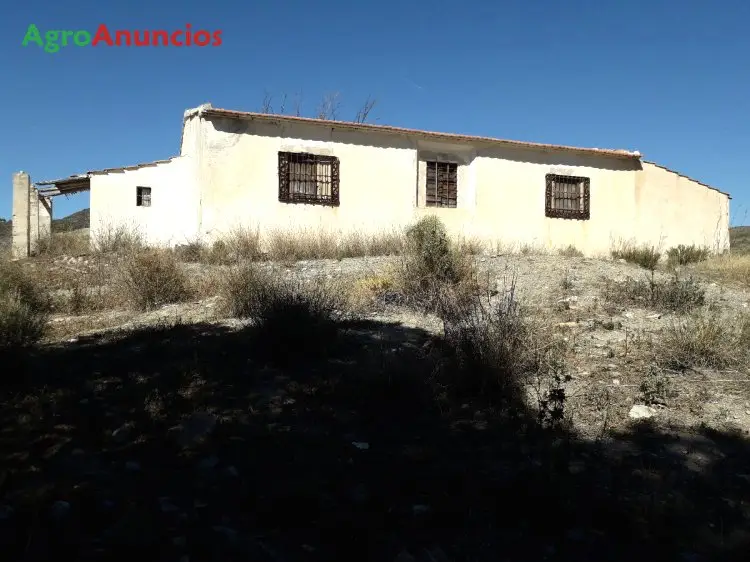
(160, 436)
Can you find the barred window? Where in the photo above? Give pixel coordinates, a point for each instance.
(442, 184)
(567, 197)
(142, 196)
(308, 178)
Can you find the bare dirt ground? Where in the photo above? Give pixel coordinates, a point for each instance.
(161, 436)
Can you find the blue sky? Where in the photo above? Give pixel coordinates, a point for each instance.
(668, 78)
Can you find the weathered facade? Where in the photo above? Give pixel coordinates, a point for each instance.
(280, 172)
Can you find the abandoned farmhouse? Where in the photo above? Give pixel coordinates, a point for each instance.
(280, 172)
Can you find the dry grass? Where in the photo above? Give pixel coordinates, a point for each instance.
(729, 268)
(705, 340)
(24, 309)
(121, 238)
(364, 293)
(73, 243)
(150, 278)
(500, 351)
(684, 255)
(431, 264)
(676, 294)
(643, 255)
(570, 252)
(308, 244)
(292, 321)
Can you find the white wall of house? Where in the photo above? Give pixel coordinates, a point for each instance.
(240, 186)
(173, 216)
(227, 177)
(673, 209)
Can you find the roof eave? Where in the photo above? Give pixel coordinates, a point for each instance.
(367, 127)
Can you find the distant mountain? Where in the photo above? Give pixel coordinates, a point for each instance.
(739, 238)
(79, 219)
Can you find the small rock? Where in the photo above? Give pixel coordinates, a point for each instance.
(641, 412)
(361, 445)
(616, 382)
(654, 316)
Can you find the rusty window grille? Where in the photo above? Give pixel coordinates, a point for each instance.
(567, 197)
(442, 184)
(143, 196)
(308, 178)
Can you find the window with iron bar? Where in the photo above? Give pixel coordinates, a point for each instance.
(143, 196)
(441, 184)
(567, 197)
(308, 178)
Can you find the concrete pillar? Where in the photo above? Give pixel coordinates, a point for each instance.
(21, 189)
(33, 221)
(45, 217)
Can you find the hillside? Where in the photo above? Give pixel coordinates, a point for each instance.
(75, 221)
(79, 219)
(740, 239)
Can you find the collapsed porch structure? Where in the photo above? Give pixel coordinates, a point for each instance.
(32, 210)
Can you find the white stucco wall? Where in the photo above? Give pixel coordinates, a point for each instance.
(227, 177)
(239, 175)
(173, 215)
(501, 190)
(672, 209)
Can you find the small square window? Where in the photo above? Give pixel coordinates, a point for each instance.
(143, 196)
(567, 197)
(308, 178)
(441, 184)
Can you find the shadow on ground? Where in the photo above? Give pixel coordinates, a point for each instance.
(167, 442)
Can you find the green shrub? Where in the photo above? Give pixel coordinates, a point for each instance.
(151, 278)
(684, 255)
(675, 294)
(570, 252)
(292, 320)
(706, 340)
(20, 324)
(645, 256)
(433, 271)
(24, 308)
(498, 351)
